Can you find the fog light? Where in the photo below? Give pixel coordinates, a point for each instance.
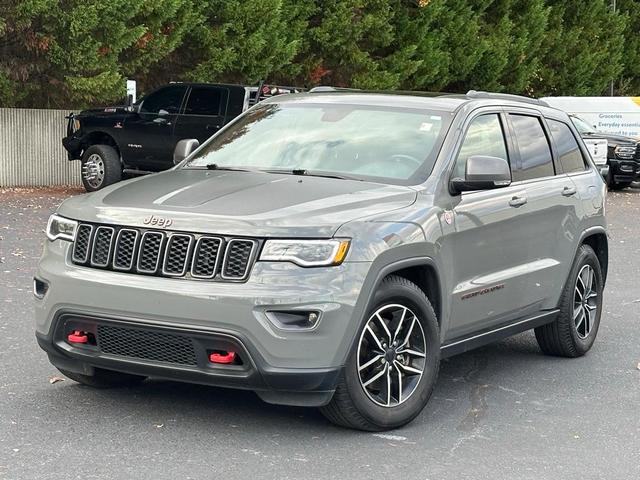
(40, 288)
(294, 319)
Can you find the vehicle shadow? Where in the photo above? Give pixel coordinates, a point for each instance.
(205, 408)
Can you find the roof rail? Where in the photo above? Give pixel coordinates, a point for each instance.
(329, 88)
(506, 96)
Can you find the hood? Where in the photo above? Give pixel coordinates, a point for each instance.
(103, 111)
(613, 139)
(238, 203)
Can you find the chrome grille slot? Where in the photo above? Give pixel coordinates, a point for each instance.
(177, 254)
(206, 257)
(102, 244)
(150, 249)
(125, 252)
(237, 258)
(81, 245)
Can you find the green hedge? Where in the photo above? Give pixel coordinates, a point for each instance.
(76, 53)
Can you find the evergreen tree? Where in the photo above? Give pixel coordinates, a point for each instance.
(62, 54)
(629, 83)
(583, 48)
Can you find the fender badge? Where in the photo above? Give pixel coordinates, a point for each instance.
(118, 125)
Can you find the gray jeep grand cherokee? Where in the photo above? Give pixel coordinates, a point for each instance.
(328, 249)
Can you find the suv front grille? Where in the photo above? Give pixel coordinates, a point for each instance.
(146, 345)
(169, 254)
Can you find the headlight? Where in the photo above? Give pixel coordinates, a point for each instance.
(625, 151)
(306, 253)
(61, 228)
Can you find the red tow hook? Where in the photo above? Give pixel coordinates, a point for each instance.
(77, 336)
(222, 357)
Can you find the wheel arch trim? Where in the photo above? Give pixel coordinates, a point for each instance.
(372, 282)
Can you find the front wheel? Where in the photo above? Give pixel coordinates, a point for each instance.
(392, 368)
(100, 167)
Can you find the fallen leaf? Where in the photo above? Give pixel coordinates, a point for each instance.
(55, 379)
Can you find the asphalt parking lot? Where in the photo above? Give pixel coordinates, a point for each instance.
(502, 412)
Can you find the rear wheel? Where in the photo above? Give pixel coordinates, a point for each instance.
(104, 378)
(392, 368)
(575, 329)
(100, 167)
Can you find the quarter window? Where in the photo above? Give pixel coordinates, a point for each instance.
(484, 137)
(535, 153)
(204, 101)
(168, 99)
(568, 150)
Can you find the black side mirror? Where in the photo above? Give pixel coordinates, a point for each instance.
(183, 149)
(483, 173)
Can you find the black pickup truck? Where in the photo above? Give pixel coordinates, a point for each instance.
(623, 154)
(113, 142)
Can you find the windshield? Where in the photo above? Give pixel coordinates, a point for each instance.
(389, 145)
(582, 126)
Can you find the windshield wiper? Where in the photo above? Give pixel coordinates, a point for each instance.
(215, 166)
(311, 173)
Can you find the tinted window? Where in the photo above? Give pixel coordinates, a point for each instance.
(168, 99)
(369, 142)
(567, 146)
(484, 137)
(534, 148)
(204, 101)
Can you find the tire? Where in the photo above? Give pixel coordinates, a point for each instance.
(353, 404)
(104, 378)
(566, 336)
(100, 167)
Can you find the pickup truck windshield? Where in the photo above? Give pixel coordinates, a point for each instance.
(582, 126)
(381, 144)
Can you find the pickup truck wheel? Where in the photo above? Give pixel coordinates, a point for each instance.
(392, 368)
(104, 378)
(572, 334)
(100, 167)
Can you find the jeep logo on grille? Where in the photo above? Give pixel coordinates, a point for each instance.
(157, 221)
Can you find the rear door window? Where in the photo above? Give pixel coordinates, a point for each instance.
(569, 153)
(168, 99)
(484, 137)
(535, 152)
(205, 101)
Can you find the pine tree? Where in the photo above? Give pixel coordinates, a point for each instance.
(583, 48)
(74, 53)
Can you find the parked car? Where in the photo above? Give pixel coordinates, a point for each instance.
(336, 265)
(141, 138)
(623, 154)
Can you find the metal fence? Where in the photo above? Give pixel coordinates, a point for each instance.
(31, 152)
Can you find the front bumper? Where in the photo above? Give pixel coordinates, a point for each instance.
(624, 170)
(73, 146)
(282, 366)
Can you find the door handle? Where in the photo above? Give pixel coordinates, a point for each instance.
(568, 191)
(517, 201)
(213, 127)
